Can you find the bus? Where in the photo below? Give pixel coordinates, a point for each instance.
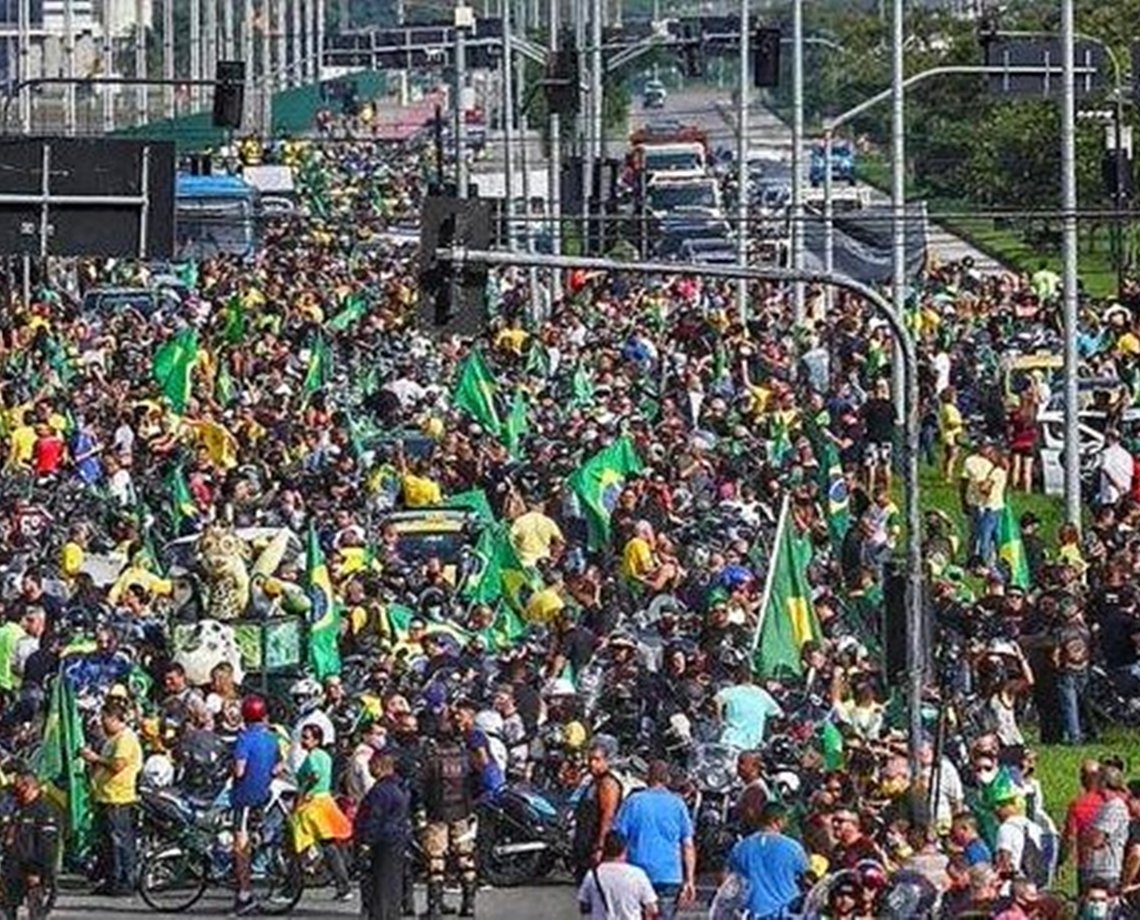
(214, 215)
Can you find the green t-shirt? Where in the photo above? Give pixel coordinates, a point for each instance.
(315, 775)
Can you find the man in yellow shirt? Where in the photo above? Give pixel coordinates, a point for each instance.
(115, 770)
(982, 493)
(535, 536)
(637, 560)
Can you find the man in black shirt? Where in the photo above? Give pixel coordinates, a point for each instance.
(31, 841)
(879, 422)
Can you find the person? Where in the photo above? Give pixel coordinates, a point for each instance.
(656, 825)
(852, 845)
(31, 848)
(744, 709)
(966, 840)
(1107, 836)
(317, 819)
(878, 415)
(1116, 470)
(257, 757)
(951, 430)
(448, 806)
(361, 773)
(982, 496)
(614, 889)
(1017, 839)
(755, 792)
(773, 865)
(383, 824)
(1079, 817)
(115, 770)
(597, 806)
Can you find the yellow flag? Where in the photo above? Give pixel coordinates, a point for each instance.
(219, 443)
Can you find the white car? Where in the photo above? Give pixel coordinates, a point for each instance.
(1093, 422)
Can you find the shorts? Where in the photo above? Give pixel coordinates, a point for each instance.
(877, 453)
(245, 817)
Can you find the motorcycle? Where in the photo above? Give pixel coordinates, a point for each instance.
(197, 852)
(713, 769)
(522, 836)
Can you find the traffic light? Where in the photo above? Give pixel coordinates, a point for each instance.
(766, 58)
(229, 94)
(562, 84)
(453, 297)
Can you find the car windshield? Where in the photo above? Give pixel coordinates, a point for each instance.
(115, 301)
(209, 226)
(687, 195)
(419, 546)
(673, 160)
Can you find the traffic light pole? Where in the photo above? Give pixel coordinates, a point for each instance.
(554, 205)
(915, 614)
(742, 163)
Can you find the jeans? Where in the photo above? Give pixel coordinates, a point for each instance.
(985, 534)
(1071, 686)
(667, 895)
(118, 844)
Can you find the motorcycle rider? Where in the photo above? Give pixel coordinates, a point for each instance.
(309, 697)
(256, 760)
(31, 842)
(597, 808)
(449, 807)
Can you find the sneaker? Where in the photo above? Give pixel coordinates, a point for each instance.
(343, 895)
(243, 907)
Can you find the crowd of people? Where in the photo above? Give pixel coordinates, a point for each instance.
(647, 465)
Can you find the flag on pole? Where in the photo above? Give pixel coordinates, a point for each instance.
(517, 425)
(234, 331)
(58, 762)
(598, 483)
(224, 390)
(787, 619)
(173, 363)
(475, 393)
(1011, 549)
(324, 617)
(319, 371)
(182, 504)
(355, 308)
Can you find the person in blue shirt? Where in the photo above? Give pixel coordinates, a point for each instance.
(659, 832)
(744, 710)
(771, 864)
(488, 778)
(257, 758)
(383, 822)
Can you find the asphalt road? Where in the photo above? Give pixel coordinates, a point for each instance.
(553, 901)
(712, 110)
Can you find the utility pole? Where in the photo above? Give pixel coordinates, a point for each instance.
(168, 56)
(196, 52)
(798, 153)
(584, 122)
(69, 65)
(281, 42)
(266, 22)
(228, 28)
(555, 202)
(23, 38)
(142, 92)
(308, 70)
(898, 184)
(463, 18)
(109, 93)
(507, 118)
(319, 44)
(211, 43)
(297, 48)
(597, 91)
(1069, 264)
(742, 104)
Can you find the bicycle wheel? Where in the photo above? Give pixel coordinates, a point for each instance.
(278, 880)
(173, 880)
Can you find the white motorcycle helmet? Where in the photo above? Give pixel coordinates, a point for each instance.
(306, 694)
(158, 772)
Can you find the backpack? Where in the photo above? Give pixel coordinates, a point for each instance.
(1034, 865)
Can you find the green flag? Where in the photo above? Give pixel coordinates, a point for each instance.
(324, 617)
(173, 362)
(187, 273)
(57, 761)
(1011, 548)
(517, 425)
(475, 393)
(474, 500)
(319, 371)
(538, 360)
(500, 574)
(582, 387)
(787, 620)
(354, 310)
(598, 483)
(182, 504)
(234, 331)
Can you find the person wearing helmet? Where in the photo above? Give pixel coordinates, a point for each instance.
(309, 698)
(256, 759)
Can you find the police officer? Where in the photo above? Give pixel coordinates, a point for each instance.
(31, 844)
(449, 809)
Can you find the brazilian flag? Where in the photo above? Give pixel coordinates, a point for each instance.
(1011, 548)
(598, 483)
(173, 363)
(475, 394)
(324, 617)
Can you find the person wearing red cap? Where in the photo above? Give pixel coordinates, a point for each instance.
(256, 758)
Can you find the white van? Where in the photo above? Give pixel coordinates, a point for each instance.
(677, 161)
(669, 196)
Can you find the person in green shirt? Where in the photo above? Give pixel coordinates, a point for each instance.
(317, 819)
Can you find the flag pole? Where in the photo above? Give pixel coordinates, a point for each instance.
(781, 523)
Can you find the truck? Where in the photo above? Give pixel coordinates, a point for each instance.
(214, 215)
(842, 163)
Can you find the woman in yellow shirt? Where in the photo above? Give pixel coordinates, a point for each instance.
(951, 429)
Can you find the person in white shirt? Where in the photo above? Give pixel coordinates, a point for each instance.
(1116, 470)
(615, 890)
(1014, 830)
